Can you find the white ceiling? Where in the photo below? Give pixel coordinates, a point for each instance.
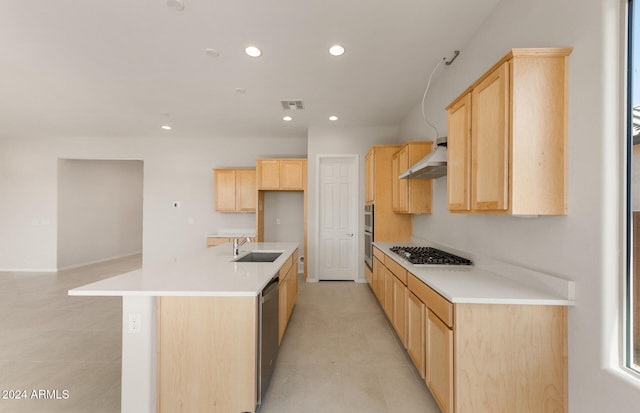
(123, 68)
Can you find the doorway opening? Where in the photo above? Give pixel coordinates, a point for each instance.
(99, 211)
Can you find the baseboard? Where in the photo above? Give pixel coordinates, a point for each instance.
(70, 267)
(28, 270)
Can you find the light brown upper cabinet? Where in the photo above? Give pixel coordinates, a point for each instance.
(459, 155)
(235, 190)
(379, 181)
(507, 144)
(410, 196)
(281, 174)
(369, 177)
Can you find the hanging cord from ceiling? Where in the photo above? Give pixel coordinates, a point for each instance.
(426, 90)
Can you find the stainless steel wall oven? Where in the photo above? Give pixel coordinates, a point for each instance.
(368, 235)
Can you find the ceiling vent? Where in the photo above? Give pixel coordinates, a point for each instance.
(292, 104)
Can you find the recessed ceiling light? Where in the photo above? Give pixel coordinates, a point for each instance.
(211, 52)
(333, 118)
(287, 118)
(166, 127)
(177, 5)
(240, 90)
(253, 51)
(336, 50)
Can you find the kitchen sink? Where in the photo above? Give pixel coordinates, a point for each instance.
(258, 256)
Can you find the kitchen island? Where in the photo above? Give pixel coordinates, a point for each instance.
(190, 329)
(485, 337)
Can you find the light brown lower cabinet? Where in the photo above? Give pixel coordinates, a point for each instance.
(416, 326)
(368, 274)
(287, 293)
(400, 309)
(480, 358)
(388, 293)
(215, 241)
(207, 354)
(510, 358)
(439, 373)
(388, 284)
(207, 349)
(378, 280)
(282, 307)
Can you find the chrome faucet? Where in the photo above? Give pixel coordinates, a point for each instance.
(239, 242)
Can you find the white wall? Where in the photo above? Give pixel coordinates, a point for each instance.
(335, 141)
(584, 245)
(175, 169)
(288, 208)
(100, 201)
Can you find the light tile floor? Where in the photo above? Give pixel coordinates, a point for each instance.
(339, 353)
(51, 341)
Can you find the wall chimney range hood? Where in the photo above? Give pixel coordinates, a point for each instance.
(434, 165)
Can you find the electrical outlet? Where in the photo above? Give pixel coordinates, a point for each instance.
(277, 221)
(135, 321)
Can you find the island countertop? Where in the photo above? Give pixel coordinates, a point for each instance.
(209, 272)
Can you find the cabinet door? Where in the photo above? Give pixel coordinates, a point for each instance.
(369, 177)
(459, 155)
(439, 363)
(490, 142)
(225, 189)
(282, 305)
(206, 359)
(416, 331)
(399, 309)
(268, 174)
(403, 165)
(294, 279)
(378, 280)
(395, 183)
(388, 293)
(246, 190)
(292, 174)
(419, 191)
(292, 288)
(400, 163)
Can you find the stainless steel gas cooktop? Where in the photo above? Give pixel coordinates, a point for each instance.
(429, 256)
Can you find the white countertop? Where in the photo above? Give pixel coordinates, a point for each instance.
(490, 283)
(209, 272)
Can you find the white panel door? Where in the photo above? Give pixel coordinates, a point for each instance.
(338, 224)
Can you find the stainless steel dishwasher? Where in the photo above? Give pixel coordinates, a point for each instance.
(268, 336)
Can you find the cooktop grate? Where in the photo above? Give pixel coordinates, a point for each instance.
(429, 256)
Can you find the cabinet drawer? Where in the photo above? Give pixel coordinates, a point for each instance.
(397, 269)
(378, 254)
(434, 301)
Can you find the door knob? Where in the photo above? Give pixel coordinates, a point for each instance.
(350, 234)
